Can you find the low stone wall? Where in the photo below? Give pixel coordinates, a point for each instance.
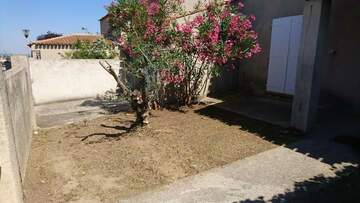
(17, 121)
(61, 80)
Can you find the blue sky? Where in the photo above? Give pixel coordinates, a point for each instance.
(40, 16)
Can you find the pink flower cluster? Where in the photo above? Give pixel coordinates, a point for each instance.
(184, 28)
(214, 34)
(217, 43)
(188, 26)
(124, 46)
(171, 78)
(153, 29)
(152, 6)
(150, 28)
(175, 76)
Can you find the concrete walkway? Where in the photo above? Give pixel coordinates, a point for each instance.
(270, 176)
(62, 113)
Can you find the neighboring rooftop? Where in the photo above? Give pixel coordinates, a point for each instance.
(105, 16)
(67, 39)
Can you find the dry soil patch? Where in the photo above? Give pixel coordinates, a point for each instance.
(96, 161)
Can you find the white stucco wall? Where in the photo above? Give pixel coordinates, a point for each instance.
(17, 121)
(61, 80)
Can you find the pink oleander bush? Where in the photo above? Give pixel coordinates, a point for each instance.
(181, 54)
(207, 42)
(219, 35)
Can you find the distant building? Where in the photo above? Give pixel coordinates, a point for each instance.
(105, 27)
(55, 48)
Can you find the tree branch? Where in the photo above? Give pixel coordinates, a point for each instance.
(108, 68)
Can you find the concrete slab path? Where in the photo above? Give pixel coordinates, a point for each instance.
(264, 176)
(62, 113)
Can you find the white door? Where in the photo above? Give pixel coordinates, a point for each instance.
(284, 51)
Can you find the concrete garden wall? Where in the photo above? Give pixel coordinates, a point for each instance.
(17, 122)
(61, 80)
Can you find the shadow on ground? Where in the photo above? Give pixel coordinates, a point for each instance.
(336, 132)
(344, 187)
(123, 130)
(109, 105)
(277, 135)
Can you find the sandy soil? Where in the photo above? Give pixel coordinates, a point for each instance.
(97, 161)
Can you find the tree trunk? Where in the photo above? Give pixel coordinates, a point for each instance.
(138, 99)
(140, 106)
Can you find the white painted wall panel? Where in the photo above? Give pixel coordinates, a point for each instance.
(284, 51)
(278, 54)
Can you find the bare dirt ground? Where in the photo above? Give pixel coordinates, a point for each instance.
(97, 161)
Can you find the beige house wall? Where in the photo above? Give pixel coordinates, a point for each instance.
(189, 4)
(50, 53)
(54, 54)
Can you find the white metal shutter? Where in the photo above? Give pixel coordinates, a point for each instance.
(284, 51)
(278, 54)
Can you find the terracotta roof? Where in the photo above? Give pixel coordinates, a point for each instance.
(67, 39)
